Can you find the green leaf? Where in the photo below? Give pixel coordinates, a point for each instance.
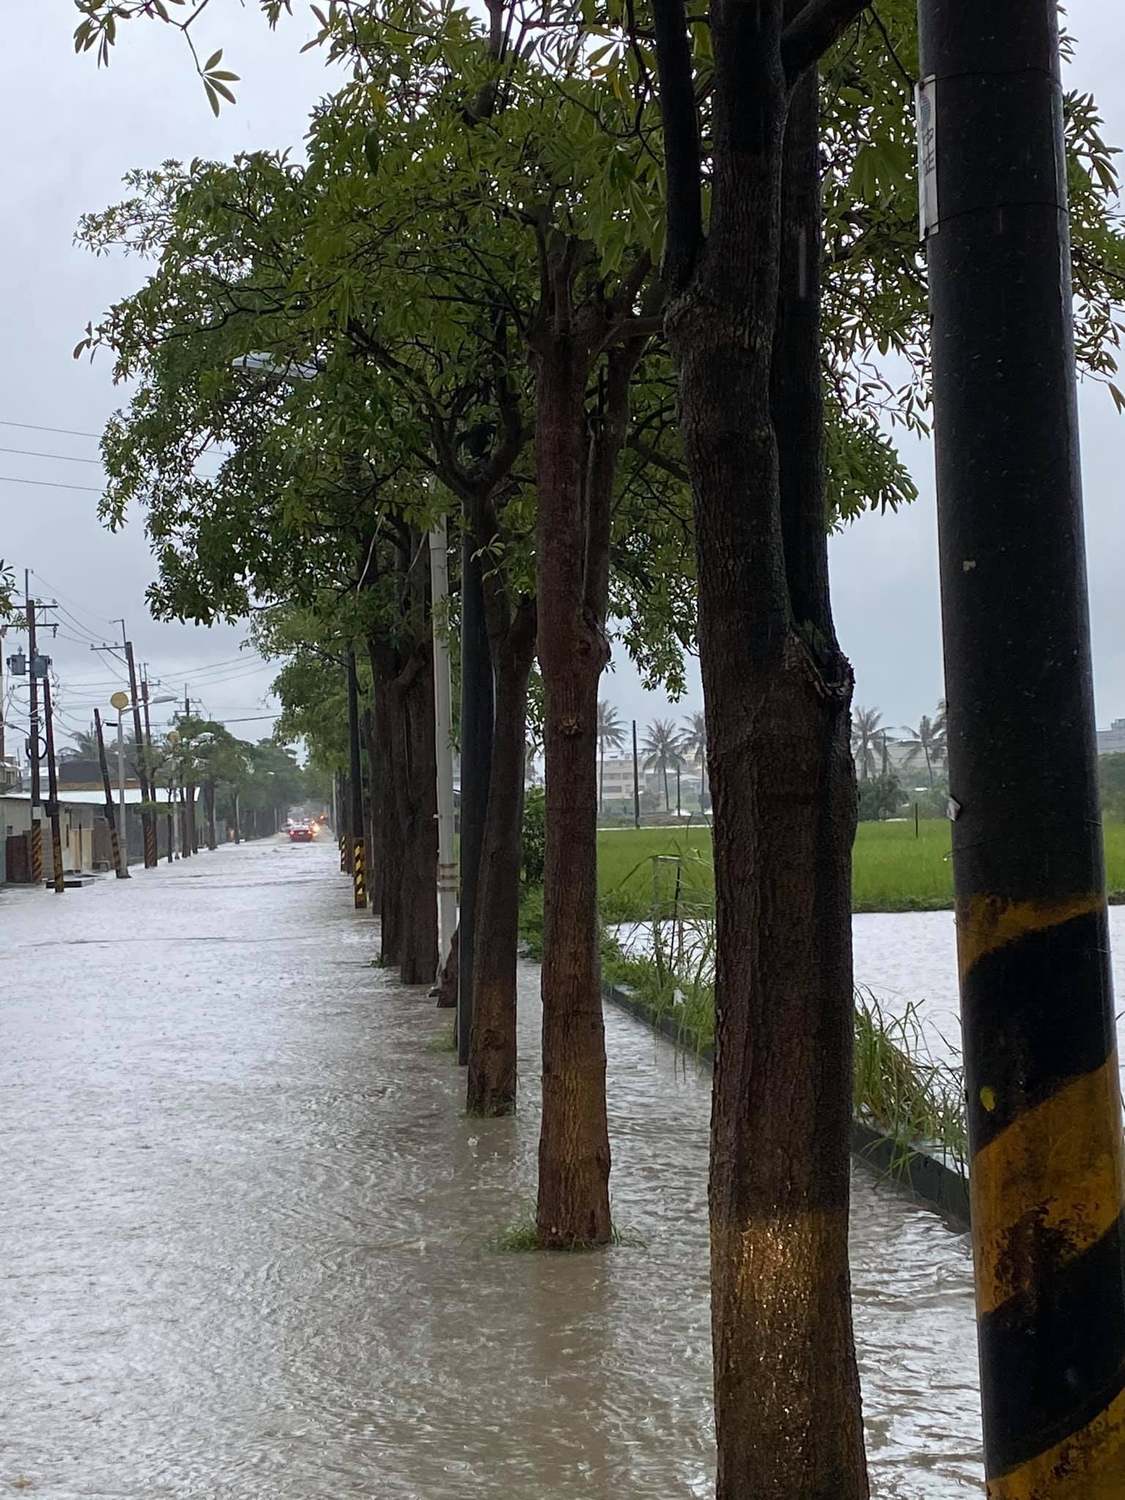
(373, 151)
(212, 98)
(213, 61)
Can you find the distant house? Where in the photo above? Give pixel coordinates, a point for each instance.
(83, 827)
(1111, 741)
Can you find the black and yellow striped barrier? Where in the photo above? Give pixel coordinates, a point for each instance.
(359, 874)
(1048, 1189)
(36, 851)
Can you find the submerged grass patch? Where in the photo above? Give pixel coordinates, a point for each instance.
(442, 1041)
(522, 1237)
(898, 1086)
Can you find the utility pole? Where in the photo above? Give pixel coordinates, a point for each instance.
(358, 862)
(636, 782)
(33, 735)
(443, 743)
(1047, 1169)
(120, 866)
(52, 786)
(151, 765)
(148, 821)
(187, 789)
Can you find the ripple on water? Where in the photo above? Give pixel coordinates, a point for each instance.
(246, 1243)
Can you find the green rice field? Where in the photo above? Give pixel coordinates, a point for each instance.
(892, 869)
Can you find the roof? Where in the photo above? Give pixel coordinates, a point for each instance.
(89, 799)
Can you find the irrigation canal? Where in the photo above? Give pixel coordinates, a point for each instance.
(245, 1247)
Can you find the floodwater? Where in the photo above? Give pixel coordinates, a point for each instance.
(907, 963)
(245, 1238)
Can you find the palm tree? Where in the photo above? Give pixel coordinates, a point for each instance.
(85, 746)
(662, 750)
(927, 739)
(611, 732)
(693, 748)
(865, 729)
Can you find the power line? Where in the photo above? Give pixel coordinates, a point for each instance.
(51, 484)
(66, 458)
(35, 427)
(104, 619)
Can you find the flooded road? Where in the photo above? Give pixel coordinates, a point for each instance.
(245, 1240)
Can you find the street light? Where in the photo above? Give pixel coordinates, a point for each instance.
(122, 704)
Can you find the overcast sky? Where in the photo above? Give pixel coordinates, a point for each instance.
(72, 131)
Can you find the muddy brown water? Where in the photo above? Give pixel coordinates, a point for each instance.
(245, 1239)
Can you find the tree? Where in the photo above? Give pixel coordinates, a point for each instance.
(927, 740)
(744, 324)
(865, 739)
(611, 733)
(83, 746)
(1111, 782)
(662, 750)
(693, 748)
(879, 797)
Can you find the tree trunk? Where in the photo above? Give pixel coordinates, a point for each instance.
(234, 813)
(375, 784)
(492, 1043)
(212, 835)
(447, 983)
(777, 693)
(388, 730)
(413, 694)
(574, 1158)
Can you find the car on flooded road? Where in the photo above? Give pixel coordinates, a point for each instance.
(301, 833)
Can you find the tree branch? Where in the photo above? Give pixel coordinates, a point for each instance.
(814, 30)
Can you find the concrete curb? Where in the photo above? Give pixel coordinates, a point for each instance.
(925, 1176)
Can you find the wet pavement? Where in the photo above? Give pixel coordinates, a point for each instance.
(246, 1239)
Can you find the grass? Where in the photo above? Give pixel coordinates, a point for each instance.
(522, 1237)
(892, 870)
(898, 1087)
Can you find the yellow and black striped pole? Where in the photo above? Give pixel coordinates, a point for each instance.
(359, 874)
(36, 848)
(1048, 1177)
(355, 789)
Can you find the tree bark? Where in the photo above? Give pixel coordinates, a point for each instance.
(574, 1157)
(391, 908)
(449, 978)
(492, 1042)
(376, 779)
(777, 690)
(414, 695)
(212, 835)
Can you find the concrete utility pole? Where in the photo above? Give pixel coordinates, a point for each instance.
(53, 786)
(33, 736)
(120, 866)
(1036, 992)
(443, 742)
(636, 782)
(190, 845)
(355, 777)
(477, 712)
(148, 821)
(120, 702)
